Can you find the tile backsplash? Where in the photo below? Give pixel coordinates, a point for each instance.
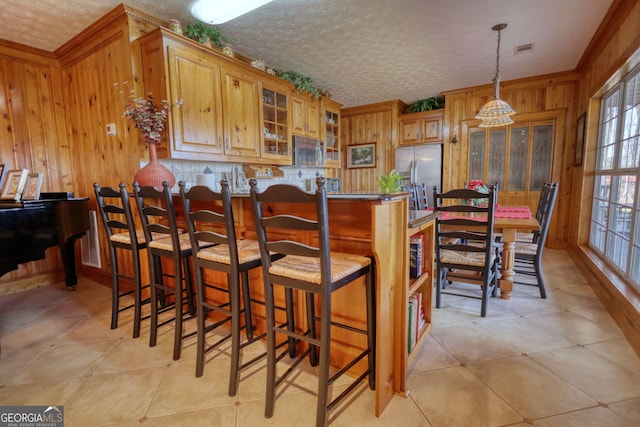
(191, 171)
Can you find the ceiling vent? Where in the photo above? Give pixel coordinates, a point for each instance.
(523, 48)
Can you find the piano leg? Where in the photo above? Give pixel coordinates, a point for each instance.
(68, 253)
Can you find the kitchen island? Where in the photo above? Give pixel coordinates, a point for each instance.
(374, 225)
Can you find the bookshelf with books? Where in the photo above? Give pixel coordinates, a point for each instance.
(418, 286)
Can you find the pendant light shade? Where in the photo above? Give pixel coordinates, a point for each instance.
(496, 112)
(219, 11)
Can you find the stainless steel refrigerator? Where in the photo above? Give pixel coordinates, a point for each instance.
(421, 165)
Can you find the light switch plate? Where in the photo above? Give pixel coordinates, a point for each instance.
(111, 129)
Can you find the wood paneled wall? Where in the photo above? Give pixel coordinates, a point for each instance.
(362, 125)
(32, 129)
(549, 97)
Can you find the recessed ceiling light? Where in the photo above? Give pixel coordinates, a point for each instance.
(220, 11)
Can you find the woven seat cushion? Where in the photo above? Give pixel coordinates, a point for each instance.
(526, 248)
(124, 237)
(464, 258)
(308, 269)
(248, 250)
(524, 237)
(166, 244)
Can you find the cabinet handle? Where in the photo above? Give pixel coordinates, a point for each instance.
(227, 143)
(219, 142)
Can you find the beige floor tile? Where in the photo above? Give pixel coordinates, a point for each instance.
(618, 351)
(130, 353)
(214, 417)
(471, 343)
(290, 410)
(95, 328)
(628, 409)
(604, 380)
(358, 410)
(53, 393)
(180, 390)
(64, 361)
(112, 398)
(593, 417)
(576, 328)
(520, 335)
(454, 397)
(529, 388)
(38, 334)
(432, 356)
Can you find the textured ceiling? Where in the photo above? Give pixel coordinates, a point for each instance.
(362, 51)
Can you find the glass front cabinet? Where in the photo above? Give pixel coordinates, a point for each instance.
(276, 132)
(331, 123)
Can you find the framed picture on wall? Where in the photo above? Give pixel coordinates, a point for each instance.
(361, 156)
(32, 186)
(14, 184)
(580, 126)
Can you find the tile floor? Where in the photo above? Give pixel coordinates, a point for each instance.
(555, 362)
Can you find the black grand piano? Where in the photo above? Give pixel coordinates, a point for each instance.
(29, 227)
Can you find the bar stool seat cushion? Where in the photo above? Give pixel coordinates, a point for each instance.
(308, 269)
(124, 237)
(167, 245)
(248, 250)
(466, 258)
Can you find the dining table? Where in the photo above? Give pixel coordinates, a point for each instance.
(507, 220)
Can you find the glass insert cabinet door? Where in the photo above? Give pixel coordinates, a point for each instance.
(517, 158)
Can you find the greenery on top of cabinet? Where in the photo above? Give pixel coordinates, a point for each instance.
(200, 32)
(426, 104)
(300, 81)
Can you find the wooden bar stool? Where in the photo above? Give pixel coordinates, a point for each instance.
(115, 211)
(315, 270)
(210, 221)
(165, 240)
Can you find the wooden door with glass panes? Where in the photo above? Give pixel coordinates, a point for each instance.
(518, 158)
(276, 132)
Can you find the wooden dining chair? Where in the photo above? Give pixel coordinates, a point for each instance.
(529, 248)
(466, 250)
(413, 201)
(422, 200)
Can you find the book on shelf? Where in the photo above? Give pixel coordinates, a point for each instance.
(416, 256)
(411, 323)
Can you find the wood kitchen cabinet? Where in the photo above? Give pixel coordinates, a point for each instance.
(276, 130)
(421, 128)
(331, 132)
(241, 112)
(305, 115)
(219, 118)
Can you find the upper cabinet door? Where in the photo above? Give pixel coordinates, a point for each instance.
(421, 128)
(241, 100)
(305, 115)
(197, 124)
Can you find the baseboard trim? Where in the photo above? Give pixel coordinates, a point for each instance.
(620, 299)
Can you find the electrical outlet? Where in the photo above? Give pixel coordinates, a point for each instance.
(111, 129)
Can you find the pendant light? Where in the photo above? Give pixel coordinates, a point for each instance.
(496, 112)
